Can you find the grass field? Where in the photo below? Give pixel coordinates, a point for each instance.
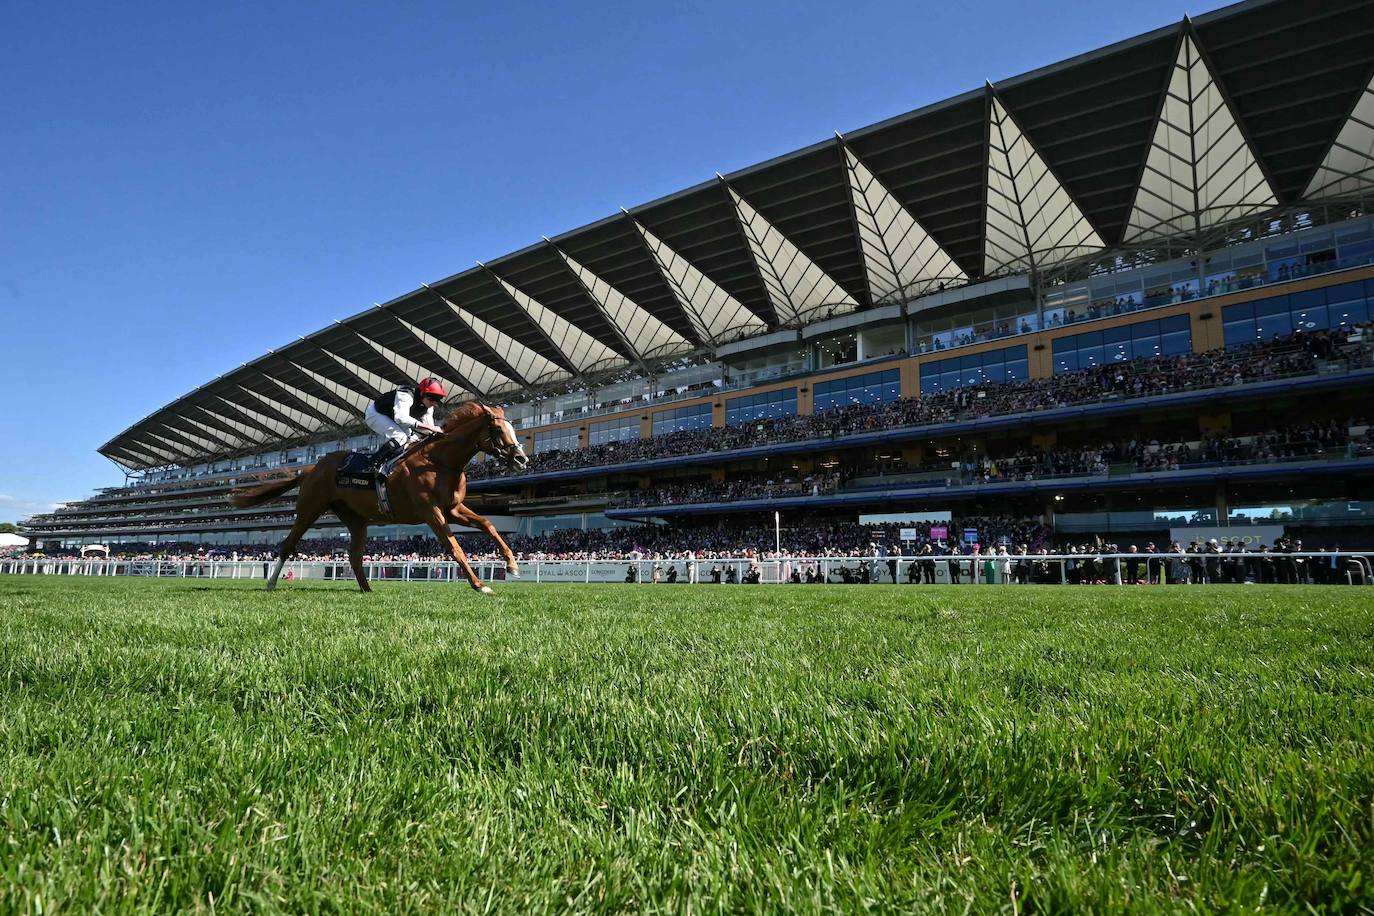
(166, 744)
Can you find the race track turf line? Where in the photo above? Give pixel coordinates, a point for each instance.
(180, 745)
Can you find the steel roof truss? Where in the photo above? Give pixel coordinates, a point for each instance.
(336, 415)
(583, 352)
(358, 400)
(797, 287)
(1347, 170)
(641, 332)
(411, 369)
(714, 314)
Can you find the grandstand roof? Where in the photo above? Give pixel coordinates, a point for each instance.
(1259, 106)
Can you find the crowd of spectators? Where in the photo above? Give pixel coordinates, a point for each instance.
(1296, 442)
(808, 536)
(1296, 354)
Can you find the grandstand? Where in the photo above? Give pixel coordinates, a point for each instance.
(1124, 296)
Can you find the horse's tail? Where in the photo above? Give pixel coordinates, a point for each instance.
(256, 496)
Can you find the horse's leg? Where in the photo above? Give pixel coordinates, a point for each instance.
(439, 522)
(308, 510)
(357, 532)
(465, 516)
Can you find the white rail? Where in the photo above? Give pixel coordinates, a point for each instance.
(1113, 568)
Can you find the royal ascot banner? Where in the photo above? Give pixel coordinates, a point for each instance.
(1252, 537)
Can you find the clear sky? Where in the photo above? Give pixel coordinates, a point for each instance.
(186, 185)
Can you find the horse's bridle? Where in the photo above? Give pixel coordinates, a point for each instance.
(492, 445)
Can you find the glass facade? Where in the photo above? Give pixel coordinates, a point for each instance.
(1008, 364)
(781, 403)
(1142, 340)
(697, 416)
(872, 388)
(1344, 304)
(620, 429)
(561, 439)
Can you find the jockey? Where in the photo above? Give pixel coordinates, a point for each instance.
(400, 416)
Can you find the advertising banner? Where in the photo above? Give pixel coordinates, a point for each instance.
(1251, 536)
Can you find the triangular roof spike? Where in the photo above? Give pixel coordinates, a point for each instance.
(408, 367)
(1030, 220)
(583, 351)
(643, 332)
(797, 287)
(151, 449)
(198, 441)
(228, 440)
(353, 397)
(530, 365)
(252, 434)
(902, 260)
(327, 409)
(1347, 169)
(271, 425)
(714, 314)
(294, 416)
(478, 375)
(181, 448)
(141, 461)
(363, 374)
(1200, 170)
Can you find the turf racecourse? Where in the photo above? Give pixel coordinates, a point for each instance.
(173, 745)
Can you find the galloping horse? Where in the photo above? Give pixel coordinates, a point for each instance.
(427, 487)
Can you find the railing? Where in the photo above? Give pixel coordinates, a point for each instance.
(1319, 567)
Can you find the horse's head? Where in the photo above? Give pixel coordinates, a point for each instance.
(498, 438)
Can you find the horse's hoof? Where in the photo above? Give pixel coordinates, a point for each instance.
(486, 589)
(513, 572)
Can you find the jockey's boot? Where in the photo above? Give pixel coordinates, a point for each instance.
(390, 450)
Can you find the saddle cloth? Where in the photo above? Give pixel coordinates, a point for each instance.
(356, 471)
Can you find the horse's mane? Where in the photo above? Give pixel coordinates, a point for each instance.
(466, 411)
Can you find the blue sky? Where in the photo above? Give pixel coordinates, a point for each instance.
(188, 185)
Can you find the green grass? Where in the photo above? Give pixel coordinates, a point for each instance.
(173, 745)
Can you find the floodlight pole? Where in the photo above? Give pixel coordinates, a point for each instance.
(777, 531)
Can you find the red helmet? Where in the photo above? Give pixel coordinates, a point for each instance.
(431, 386)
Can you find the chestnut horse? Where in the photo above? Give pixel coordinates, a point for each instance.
(426, 486)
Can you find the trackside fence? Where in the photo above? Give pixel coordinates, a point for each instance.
(1321, 567)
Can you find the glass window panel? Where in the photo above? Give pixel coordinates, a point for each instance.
(1306, 299)
(1238, 312)
(1175, 323)
(1121, 334)
(1271, 326)
(1277, 305)
(1236, 334)
(1311, 318)
(1348, 313)
(1066, 361)
(1089, 357)
(1345, 292)
(1018, 370)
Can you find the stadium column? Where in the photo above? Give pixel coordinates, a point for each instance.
(806, 402)
(913, 455)
(909, 377)
(646, 426)
(1041, 356)
(717, 475)
(718, 413)
(1205, 328)
(1223, 503)
(1045, 439)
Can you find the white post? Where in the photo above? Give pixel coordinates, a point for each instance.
(777, 531)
